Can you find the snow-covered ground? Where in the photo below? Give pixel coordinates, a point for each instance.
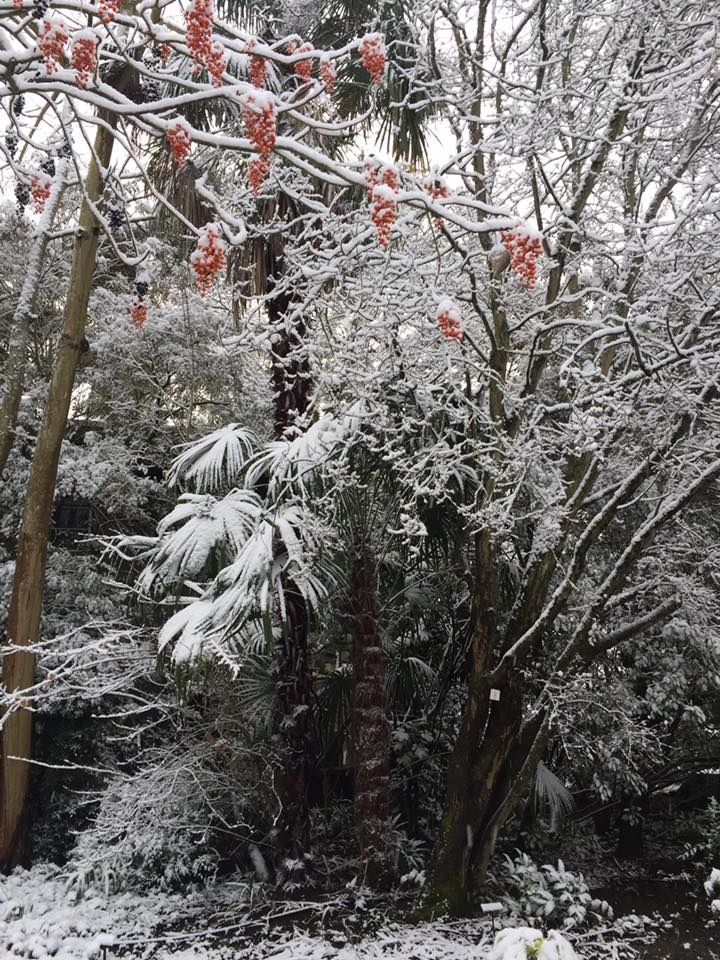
(44, 914)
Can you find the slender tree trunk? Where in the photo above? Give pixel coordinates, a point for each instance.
(28, 584)
(20, 334)
(291, 388)
(371, 730)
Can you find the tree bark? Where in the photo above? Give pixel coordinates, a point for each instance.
(20, 335)
(474, 793)
(291, 385)
(28, 584)
(291, 778)
(371, 730)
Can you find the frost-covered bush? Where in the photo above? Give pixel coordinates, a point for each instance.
(553, 893)
(525, 943)
(149, 830)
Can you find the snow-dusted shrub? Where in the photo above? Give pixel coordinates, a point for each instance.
(525, 943)
(553, 893)
(149, 830)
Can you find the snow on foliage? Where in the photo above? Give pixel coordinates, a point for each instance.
(523, 943)
(213, 461)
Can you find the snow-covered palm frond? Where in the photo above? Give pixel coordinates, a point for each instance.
(280, 546)
(197, 528)
(294, 462)
(214, 461)
(184, 628)
(549, 792)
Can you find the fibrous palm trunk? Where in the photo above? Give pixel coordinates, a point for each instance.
(291, 388)
(28, 584)
(370, 727)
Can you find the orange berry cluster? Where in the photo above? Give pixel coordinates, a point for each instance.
(449, 320)
(108, 9)
(438, 190)
(216, 63)
(524, 249)
(40, 186)
(383, 212)
(198, 19)
(382, 182)
(328, 74)
(83, 57)
(209, 258)
(258, 169)
(138, 312)
(258, 67)
(258, 116)
(377, 172)
(178, 136)
(18, 4)
(373, 56)
(304, 68)
(52, 40)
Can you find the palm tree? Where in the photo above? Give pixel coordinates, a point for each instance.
(260, 267)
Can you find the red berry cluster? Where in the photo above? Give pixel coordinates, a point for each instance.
(165, 53)
(449, 319)
(216, 63)
(198, 19)
(139, 312)
(258, 67)
(258, 116)
(40, 186)
(524, 248)
(209, 258)
(258, 169)
(377, 172)
(18, 4)
(328, 74)
(382, 182)
(108, 9)
(83, 57)
(178, 136)
(383, 212)
(373, 55)
(438, 190)
(52, 40)
(304, 68)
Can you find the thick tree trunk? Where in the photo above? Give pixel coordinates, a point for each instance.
(294, 696)
(291, 384)
(371, 730)
(20, 334)
(27, 593)
(475, 792)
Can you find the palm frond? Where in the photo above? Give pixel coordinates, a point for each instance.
(550, 793)
(214, 461)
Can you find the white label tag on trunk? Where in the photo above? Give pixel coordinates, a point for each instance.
(494, 694)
